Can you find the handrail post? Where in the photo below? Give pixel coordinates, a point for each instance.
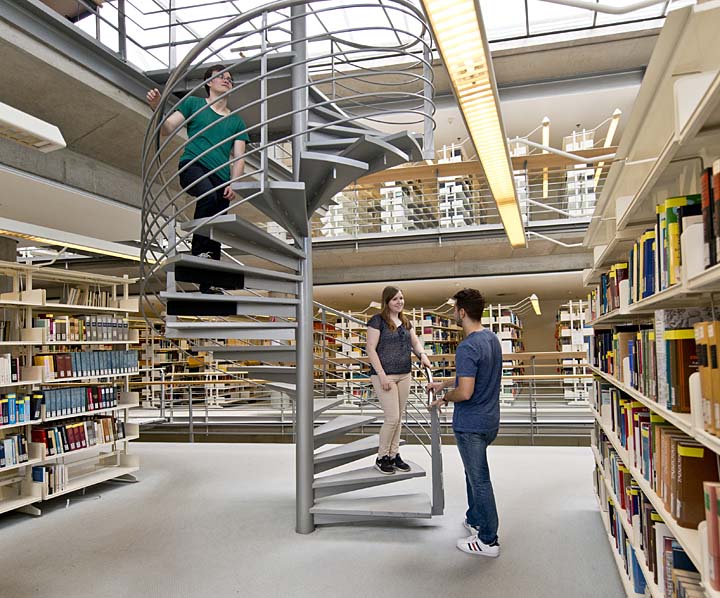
(304, 443)
(438, 488)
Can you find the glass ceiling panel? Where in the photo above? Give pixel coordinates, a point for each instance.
(546, 17)
(504, 20)
(636, 15)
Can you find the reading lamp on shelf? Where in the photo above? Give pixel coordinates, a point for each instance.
(530, 302)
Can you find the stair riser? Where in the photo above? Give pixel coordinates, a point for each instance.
(276, 377)
(258, 283)
(221, 308)
(226, 280)
(329, 437)
(329, 464)
(327, 519)
(257, 250)
(276, 357)
(341, 489)
(279, 335)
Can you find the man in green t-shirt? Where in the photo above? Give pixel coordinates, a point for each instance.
(215, 137)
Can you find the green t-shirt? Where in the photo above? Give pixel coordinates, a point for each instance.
(229, 130)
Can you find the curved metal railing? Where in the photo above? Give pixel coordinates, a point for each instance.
(351, 76)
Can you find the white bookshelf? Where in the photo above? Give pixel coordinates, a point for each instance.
(675, 121)
(28, 297)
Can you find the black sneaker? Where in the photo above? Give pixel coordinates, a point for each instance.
(210, 290)
(384, 465)
(399, 464)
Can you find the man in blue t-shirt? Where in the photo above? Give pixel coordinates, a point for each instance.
(476, 418)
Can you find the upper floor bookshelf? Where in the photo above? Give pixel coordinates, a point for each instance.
(673, 132)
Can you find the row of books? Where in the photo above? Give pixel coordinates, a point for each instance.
(13, 450)
(19, 409)
(84, 328)
(656, 258)
(54, 478)
(88, 297)
(87, 363)
(672, 570)
(674, 464)
(658, 359)
(606, 296)
(9, 369)
(79, 399)
(77, 435)
(710, 193)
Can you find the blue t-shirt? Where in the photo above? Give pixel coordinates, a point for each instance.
(479, 356)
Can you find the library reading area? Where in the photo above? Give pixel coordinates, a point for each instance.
(308, 298)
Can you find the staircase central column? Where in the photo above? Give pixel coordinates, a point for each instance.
(304, 444)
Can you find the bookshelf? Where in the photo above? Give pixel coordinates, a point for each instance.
(654, 238)
(65, 361)
(509, 329)
(572, 334)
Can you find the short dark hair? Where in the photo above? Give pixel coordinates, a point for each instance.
(472, 301)
(209, 75)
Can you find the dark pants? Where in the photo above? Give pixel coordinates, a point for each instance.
(209, 205)
(482, 512)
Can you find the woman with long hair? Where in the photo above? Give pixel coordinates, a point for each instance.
(390, 340)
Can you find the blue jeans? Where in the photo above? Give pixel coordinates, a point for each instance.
(482, 512)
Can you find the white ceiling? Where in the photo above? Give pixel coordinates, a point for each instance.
(432, 293)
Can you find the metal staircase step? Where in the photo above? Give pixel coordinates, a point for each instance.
(327, 174)
(408, 143)
(231, 276)
(274, 373)
(234, 330)
(283, 201)
(340, 130)
(263, 353)
(321, 405)
(234, 231)
(378, 154)
(338, 143)
(365, 477)
(346, 453)
(202, 304)
(410, 506)
(328, 114)
(339, 426)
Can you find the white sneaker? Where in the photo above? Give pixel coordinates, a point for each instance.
(206, 255)
(473, 545)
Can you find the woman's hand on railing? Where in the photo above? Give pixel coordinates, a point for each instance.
(153, 98)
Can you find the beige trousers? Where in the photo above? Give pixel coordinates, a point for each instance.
(393, 406)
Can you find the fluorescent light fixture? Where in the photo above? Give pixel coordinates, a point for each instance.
(460, 36)
(27, 130)
(608, 141)
(58, 238)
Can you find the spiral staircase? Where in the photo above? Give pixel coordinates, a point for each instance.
(317, 106)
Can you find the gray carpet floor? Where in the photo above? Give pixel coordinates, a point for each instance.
(217, 520)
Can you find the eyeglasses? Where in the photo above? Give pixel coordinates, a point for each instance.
(225, 77)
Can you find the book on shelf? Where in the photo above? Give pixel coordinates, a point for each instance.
(14, 450)
(76, 435)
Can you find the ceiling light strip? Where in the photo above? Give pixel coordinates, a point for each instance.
(460, 36)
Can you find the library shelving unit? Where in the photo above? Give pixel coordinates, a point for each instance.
(64, 394)
(509, 329)
(645, 391)
(573, 335)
